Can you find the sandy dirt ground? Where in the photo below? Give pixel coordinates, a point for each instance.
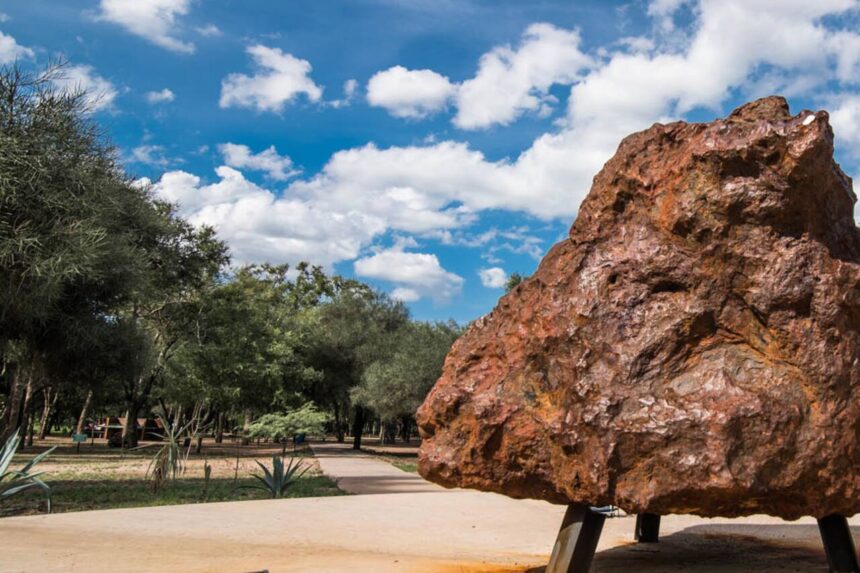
(96, 460)
(423, 531)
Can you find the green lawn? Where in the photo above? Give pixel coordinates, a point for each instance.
(102, 478)
(405, 465)
(80, 495)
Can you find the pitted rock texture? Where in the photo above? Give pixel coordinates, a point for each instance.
(691, 348)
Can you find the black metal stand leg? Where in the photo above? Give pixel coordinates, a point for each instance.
(577, 541)
(838, 544)
(647, 528)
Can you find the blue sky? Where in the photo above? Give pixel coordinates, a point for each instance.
(428, 147)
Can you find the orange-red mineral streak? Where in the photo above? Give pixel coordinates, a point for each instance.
(693, 347)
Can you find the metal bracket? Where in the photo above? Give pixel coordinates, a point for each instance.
(647, 528)
(577, 541)
(838, 544)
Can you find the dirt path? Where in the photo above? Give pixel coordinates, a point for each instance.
(360, 473)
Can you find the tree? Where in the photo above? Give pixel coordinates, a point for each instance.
(394, 387)
(78, 238)
(345, 335)
(280, 427)
(81, 243)
(243, 354)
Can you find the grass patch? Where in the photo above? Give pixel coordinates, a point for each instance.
(84, 495)
(404, 465)
(102, 478)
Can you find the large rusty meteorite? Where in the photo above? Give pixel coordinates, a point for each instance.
(693, 347)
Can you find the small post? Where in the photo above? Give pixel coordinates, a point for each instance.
(647, 528)
(577, 540)
(838, 544)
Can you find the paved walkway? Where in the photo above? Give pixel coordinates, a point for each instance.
(360, 473)
(443, 532)
(438, 531)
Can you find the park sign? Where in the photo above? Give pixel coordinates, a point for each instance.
(79, 438)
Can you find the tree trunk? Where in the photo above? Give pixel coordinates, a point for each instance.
(31, 422)
(13, 404)
(199, 447)
(50, 395)
(338, 426)
(357, 428)
(406, 429)
(82, 419)
(390, 429)
(246, 427)
(28, 408)
(219, 430)
(31, 427)
(129, 432)
(56, 415)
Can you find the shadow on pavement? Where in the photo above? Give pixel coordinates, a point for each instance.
(719, 549)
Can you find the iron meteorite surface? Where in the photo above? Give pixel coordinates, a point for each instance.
(691, 348)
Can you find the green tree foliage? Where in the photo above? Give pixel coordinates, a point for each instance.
(80, 243)
(344, 337)
(281, 427)
(396, 386)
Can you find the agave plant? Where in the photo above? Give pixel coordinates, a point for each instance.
(16, 481)
(280, 478)
(168, 462)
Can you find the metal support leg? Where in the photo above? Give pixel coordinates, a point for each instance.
(647, 528)
(577, 541)
(838, 544)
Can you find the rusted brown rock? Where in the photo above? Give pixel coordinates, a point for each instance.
(693, 347)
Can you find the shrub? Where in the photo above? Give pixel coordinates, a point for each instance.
(280, 478)
(16, 481)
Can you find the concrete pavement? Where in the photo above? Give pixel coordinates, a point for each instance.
(360, 473)
(444, 532)
(420, 528)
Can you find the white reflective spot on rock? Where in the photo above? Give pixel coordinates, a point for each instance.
(809, 119)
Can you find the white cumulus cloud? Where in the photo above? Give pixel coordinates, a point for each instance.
(277, 167)
(10, 50)
(409, 93)
(100, 93)
(405, 294)
(150, 155)
(209, 31)
(511, 81)
(845, 118)
(494, 277)
(279, 78)
(153, 20)
(260, 225)
(161, 96)
(416, 275)
(619, 93)
(440, 188)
